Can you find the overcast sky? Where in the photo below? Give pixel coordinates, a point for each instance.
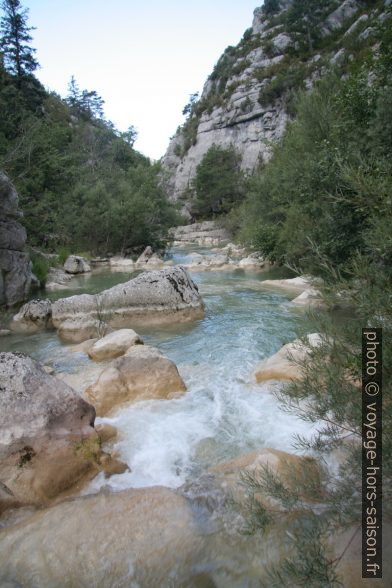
(143, 57)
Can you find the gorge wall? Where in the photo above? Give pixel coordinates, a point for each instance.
(247, 99)
(15, 266)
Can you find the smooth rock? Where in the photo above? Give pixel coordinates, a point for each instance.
(47, 437)
(156, 297)
(144, 373)
(285, 364)
(76, 265)
(291, 469)
(34, 316)
(310, 298)
(4, 332)
(299, 284)
(106, 432)
(141, 537)
(114, 344)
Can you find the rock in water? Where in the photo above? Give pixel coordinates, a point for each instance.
(114, 344)
(143, 373)
(287, 363)
(76, 265)
(144, 537)
(15, 266)
(156, 297)
(47, 437)
(35, 315)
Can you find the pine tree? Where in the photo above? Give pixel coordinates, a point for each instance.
(15, 41)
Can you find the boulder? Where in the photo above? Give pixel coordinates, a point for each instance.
(47, 438)
(122, 262)
(310, 298)
(156, 297)
(57, 279)
(251, 262)
(146, 255)
(114, 344)
(293, 470)
(204, 233)
(144, 373)
(76, 265)
(79, 329)
(286, 363)
(34, 316)
(15, 266)
(299, 284)
(139, 537)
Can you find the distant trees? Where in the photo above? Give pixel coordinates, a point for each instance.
(219, 181)
(86, 103)
(18, 55)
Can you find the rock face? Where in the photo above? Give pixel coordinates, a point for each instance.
(236, 108)
(76, 265)
(285, 364)
(114, 344)
(135, 538)
(15, 266)
(154, 297)
(142, 374)
(34, 316)
(205, 233)
(47, 438)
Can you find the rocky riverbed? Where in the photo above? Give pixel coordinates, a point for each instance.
(180, 416)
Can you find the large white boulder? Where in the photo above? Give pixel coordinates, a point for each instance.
(113, 345)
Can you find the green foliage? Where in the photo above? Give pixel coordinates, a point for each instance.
(41, 267)
(17, 53)
(323, 204)
(219, 182)
(270, 7)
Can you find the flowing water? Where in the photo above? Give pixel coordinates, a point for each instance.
(224, 413)
(170, 443)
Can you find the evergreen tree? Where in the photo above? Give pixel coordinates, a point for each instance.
(15, 41)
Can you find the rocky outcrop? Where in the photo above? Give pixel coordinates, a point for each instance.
(154, 297)
(287, 363)
(114, 344)
(204, 233)
(34, 316)
(244, 102)
(15, 266)
(47, 438)
(291, 285)
(75, 264)
(143, 373)
(144, 537)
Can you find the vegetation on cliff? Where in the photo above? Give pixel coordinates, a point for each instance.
(323, 205)
(80, 181)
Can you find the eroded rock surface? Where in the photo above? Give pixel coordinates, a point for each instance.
(15, 266)
(76, 265)
(34, 316)
(154, 297)
(47, 437)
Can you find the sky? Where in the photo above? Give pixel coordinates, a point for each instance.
(144, 58)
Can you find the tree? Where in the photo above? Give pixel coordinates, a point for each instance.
(15, 42)
(219, 181)
(270, 6)
(193, 98)
(130, 135)
(73, 97)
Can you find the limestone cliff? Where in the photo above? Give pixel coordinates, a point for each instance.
(247, 100)
(15, 267)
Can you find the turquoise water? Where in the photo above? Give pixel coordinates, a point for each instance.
(223, 413)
